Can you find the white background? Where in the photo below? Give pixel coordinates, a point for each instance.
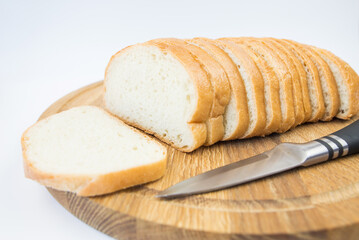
(49, 48)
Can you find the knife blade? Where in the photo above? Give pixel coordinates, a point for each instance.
(283, 157)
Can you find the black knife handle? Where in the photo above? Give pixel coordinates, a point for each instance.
(343, 142)
(350, 134)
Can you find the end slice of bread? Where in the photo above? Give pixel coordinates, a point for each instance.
(90, 152)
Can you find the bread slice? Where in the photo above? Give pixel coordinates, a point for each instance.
(161, 89)
(271, 92)
(297, 88)
(219, 83)
(90, 152)
(329, 86)
(236, 113)
(347, 81)
(314, 85)
(285, 81)
(301, 75)
(254, 86)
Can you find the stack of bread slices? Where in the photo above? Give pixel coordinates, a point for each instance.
(200, 91)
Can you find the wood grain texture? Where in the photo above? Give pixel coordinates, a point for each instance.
(317, 202)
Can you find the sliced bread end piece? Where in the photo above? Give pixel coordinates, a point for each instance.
(90, 152)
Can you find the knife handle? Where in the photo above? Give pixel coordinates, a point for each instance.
(350, 134)
(338, 144)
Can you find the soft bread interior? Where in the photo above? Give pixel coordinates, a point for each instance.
(151, 89)
(87, 141)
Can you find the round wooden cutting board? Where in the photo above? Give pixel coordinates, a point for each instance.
(317, 202)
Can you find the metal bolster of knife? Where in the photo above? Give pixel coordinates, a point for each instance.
(324, 149)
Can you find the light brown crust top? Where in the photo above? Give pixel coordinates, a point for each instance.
(351, 80)
(315, 87)
(92, 185)
(235, 80)
(297, 88)
(274, 118)
(257, 86)
(285, 81)
(301, 74)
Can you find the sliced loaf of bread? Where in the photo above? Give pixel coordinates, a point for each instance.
(90, 152)
(199, 91)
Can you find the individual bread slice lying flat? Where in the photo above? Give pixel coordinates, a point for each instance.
(90, 152)
(161, 89)
(347, 83)
(236, 113)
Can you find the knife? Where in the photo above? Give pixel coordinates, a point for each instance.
(283, 157)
